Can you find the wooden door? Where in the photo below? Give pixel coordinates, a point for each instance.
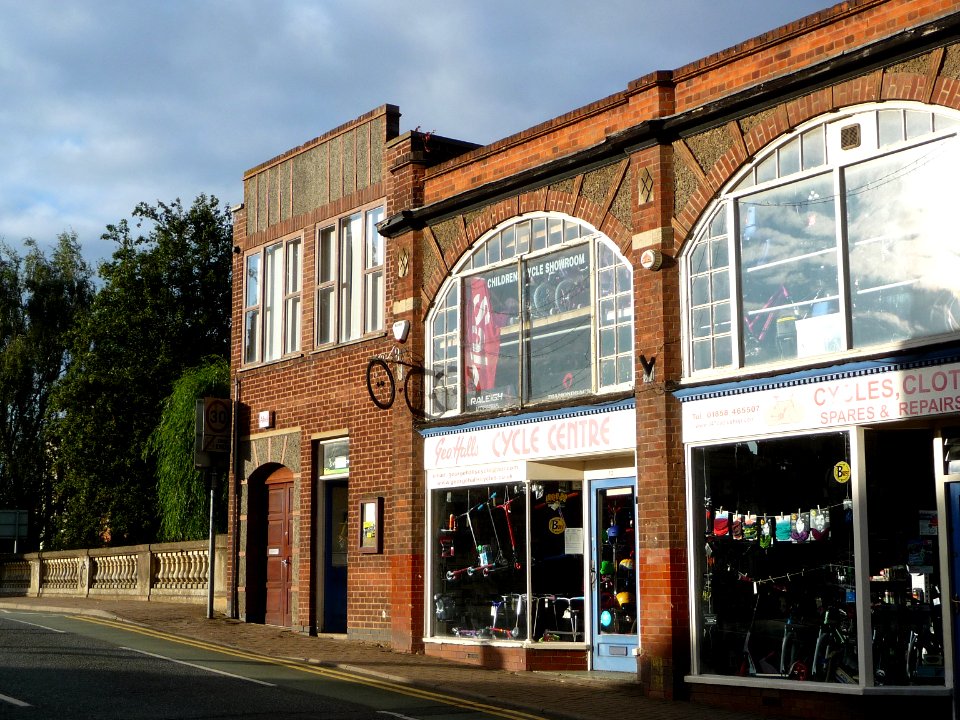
(279, 554)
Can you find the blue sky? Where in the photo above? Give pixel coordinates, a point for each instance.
(107, 103)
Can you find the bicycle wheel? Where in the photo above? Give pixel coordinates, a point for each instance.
(380, 383)
(413, 391)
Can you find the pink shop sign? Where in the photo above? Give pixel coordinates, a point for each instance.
(563, 437)
(869, 399)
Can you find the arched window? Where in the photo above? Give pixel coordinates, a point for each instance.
(841, 237)
(540, 310)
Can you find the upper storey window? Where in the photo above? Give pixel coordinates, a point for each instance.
(841, 237)
(350, 287)
(272, 288)
(541, 309)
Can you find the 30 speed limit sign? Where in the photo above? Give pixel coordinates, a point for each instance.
(216, 425)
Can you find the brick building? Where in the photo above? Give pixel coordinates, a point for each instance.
(667, 385)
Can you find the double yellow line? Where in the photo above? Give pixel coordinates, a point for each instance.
(326, 672)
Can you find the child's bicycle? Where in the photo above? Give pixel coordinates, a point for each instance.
(382, 379)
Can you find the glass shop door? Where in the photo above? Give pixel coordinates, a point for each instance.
(613, 576)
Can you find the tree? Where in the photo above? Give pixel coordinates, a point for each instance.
(41, 301)
(164, 305)
(182, 495)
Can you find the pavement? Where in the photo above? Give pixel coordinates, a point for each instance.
(561, 695)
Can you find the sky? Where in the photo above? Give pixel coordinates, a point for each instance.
(108, 103)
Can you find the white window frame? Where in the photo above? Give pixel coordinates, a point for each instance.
(350, 294)
(766, 172)
(511, 245)
(272, 313)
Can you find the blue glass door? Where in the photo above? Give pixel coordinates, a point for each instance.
(613, 576)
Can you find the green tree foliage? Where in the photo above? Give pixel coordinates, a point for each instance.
(163, 306)
(182, 490)
(41, 299)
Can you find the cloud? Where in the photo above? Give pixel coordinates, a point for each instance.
(107, 103)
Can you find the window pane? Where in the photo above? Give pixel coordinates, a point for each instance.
(790, 157)
(907, 605)
(701, 325)
(508, 241)
(558, 356)
(272, 301)
(251, 336)
(328, 255)
(556, 568)
(253, 280)
(903, 266)
(767, 169)
(291, 319)
(351, 268)
(325, 316)
(700, 290)
(493, 249)
(479, 569)
(812, 144)
(293, 266)
(723, 347)
(374, 301)
(491, 346)
(890, 127)
(702, 358)
(775, 559)
(918, 123)
(374, 241)
(554, 231)
(788, 273)
(539, 234)
(523, 241)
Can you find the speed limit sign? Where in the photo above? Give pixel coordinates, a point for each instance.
(215, 430)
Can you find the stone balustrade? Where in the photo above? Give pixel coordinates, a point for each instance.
(169, 572)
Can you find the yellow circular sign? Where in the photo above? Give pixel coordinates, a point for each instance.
(557, 525)
(841, 471)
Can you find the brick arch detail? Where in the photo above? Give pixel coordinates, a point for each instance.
(786, 117)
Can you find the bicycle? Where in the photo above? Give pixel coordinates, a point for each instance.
(382, 380)
(835, 653)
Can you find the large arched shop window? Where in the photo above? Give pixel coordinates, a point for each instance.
(541, 309)
(842, 236)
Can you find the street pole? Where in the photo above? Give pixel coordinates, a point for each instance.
(212, 549)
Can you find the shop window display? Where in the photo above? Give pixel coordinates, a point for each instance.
(777, 585)
(485, 551)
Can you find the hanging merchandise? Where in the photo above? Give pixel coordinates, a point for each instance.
(749, 527)
(736, 526)
(799, 526)
(721, 523)
(766, 532)
(782, 525)
(446, 538)
(819, 524)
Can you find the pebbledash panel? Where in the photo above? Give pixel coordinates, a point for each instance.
(509, 547)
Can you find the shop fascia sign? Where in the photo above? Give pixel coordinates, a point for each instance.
(558, 438)
(875, 398)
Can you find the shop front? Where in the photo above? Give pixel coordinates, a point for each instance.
(822, 512)
(530, 540)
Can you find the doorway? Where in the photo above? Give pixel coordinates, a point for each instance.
(334, 576)
(613, 575)
(279, 558)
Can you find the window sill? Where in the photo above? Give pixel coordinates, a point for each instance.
(811, 686)
(268, 363)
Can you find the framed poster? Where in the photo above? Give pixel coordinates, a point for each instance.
(371, 525)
